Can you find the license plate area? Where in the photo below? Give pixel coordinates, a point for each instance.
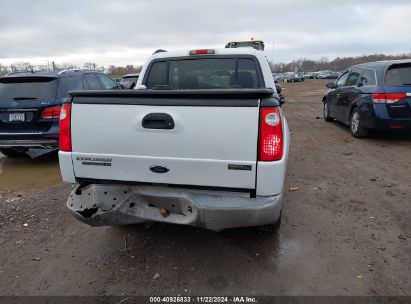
(17, 117)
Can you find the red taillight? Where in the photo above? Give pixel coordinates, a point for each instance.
(202, 52)
(270, 139)
(388, 97)
(65, 128)
(52, 112)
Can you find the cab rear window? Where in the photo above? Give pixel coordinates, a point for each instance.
(207, 73)
(398, 75)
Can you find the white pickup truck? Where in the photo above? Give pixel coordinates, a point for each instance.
(201, 141)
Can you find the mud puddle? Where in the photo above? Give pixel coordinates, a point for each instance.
(19, 174)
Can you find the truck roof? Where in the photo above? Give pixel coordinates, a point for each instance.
(224, 51)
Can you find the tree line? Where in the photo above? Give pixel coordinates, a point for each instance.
(300, 65)
(112, 70)
(338, 64)
(118, 71)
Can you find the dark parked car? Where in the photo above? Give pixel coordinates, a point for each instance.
(30, 104)
(333, 75)
(129, 81)
(375, 95)
(294, 77)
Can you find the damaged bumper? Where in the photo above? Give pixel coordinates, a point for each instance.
(105, 205)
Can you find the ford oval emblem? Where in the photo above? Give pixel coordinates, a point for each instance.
(159, 169)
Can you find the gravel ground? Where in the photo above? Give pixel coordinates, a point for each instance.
(346, 229)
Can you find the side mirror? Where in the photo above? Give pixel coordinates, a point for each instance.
(278, 88)
(331, 85)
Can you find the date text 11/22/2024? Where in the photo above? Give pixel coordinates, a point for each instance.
(203, 299)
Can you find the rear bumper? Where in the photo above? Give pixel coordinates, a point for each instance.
(385, 124)
(375, 116)
(31, 139)
(29, 143)
(105, 205)
(373, 122)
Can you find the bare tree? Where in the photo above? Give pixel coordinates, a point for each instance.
(90, 66)
(3, 70)
(20, 66)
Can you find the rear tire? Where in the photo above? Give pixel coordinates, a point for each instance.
(271, 228)
(326, 112)
(12, 153)
(356, 126)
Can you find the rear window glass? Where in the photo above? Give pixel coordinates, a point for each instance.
(157, 75)
(341, 81)
(353, 78)
(368, 78)
(91, 82)
(399, 75)
(108, 84)
(247, 74)
(207, 73)
(67, 84)
(28, 88)
(202, 73)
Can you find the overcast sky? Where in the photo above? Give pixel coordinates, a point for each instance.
(124, 32)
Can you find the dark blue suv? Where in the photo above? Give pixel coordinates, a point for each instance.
(30, 104)
(374, 95)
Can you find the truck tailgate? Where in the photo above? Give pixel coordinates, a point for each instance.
(207, 141)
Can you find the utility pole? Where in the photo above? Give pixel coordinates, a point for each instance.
(272, 54)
